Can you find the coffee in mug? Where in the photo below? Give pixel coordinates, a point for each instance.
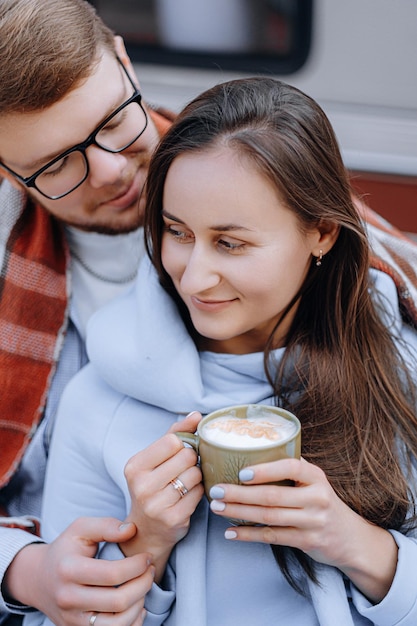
(236, 437)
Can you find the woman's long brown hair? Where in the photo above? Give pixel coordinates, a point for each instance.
(342, 373)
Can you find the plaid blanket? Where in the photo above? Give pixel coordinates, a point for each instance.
(35, 285)
(394, 253)
(33, 317)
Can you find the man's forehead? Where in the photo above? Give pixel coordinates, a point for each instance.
(31, 139)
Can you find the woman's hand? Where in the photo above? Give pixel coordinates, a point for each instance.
(309, 516)
(64, 580)
(159, 511)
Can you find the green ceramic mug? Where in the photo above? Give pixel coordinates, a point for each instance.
(236, 437)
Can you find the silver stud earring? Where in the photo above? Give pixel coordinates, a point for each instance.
(319, 258)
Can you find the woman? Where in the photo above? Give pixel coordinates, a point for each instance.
(259, 290)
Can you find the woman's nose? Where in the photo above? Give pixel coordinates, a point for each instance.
(105, 168)
(200, 272)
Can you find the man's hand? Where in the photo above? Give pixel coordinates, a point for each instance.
(64, 580)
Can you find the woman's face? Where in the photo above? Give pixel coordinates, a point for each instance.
(234, 252)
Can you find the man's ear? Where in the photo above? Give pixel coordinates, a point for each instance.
(328, 234)
(120, 48)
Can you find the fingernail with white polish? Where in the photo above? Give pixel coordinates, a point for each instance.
(230, 534)
(216, 505)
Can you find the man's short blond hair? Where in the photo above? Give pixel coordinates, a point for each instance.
(47, 48)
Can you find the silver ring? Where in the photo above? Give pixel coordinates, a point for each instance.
(92, 619)
(178, 486)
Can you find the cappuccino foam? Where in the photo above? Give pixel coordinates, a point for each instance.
(257, 432)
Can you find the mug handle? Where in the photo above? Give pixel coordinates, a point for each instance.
(190, 438)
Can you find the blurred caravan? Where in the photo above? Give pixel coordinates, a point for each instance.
(358, 59)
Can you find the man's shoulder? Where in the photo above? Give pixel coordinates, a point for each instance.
(162, 118)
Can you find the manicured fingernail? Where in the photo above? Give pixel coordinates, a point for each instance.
(189, 414)
(230, 534)
(246, 474)
(125, 525)
(216, 505)
(217, 493)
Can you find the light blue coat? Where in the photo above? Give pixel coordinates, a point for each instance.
(144, 373)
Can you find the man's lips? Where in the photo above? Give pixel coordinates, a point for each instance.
(127, 197)
(132, 191)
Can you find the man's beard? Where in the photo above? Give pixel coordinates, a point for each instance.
(110, 227)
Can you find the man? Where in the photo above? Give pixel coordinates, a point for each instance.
(75, 140)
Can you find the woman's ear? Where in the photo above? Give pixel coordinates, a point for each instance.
(120, 48)
(328, 234)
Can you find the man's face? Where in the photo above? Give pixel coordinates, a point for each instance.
(108, 200)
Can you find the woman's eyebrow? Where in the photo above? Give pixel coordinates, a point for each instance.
(218, 228)
(229, 227)
(169, 216)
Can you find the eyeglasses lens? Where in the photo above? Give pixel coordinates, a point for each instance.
(120, 132)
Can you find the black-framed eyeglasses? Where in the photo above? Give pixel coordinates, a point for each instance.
(68, 170)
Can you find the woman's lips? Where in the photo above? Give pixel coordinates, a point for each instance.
(211, 305)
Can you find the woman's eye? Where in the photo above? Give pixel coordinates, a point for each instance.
(177, 233)
(230, 245)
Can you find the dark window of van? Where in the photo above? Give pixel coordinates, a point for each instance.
(256, 36)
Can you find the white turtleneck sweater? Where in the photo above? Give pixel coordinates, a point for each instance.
(103, 266)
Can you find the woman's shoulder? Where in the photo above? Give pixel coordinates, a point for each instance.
(87, 407)
(385, 295)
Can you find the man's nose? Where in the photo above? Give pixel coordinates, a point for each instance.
(105, 167)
